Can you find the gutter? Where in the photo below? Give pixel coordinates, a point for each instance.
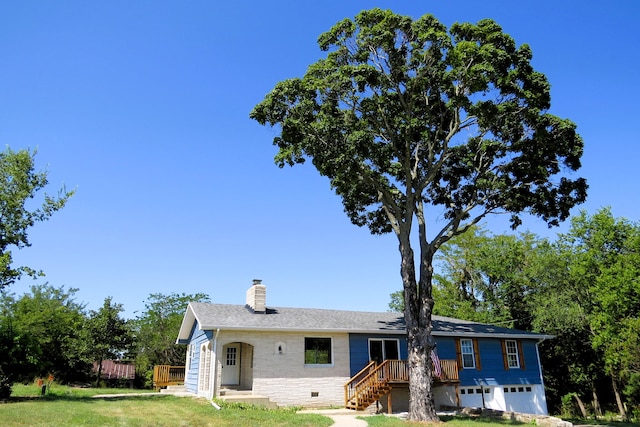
(516, 335)
(544, 394)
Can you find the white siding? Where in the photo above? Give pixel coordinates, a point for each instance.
(284, 378)
(523, 398)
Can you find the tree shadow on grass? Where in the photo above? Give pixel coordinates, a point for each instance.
(51, 397)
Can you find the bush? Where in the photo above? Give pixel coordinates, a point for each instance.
(569, 409)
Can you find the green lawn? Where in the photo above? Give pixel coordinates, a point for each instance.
(66, 406)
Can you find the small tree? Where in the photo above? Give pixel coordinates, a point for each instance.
(157, 327)
(402, 115)
(109, 336)
(19, 183)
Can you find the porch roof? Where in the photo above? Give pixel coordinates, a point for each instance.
(239, 317)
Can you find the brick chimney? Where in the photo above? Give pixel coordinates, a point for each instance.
(257, 297)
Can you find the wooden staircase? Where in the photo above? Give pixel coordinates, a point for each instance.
(375, 381)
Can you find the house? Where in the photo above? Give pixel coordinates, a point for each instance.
(315, 357)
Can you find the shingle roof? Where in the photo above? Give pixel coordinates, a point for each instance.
(239, 317)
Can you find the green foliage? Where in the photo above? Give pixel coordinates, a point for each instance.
(157, 327)
(599, 299)
(405, 112)
(40, 334)
(19, 183)
(108, 335)
(568, 406)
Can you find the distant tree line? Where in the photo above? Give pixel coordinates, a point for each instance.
(47, 332)
(583, 288)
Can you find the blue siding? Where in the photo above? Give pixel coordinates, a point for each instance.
(492, 370)
(197, 338)
(359, 349)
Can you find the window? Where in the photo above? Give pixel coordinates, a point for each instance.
(513, 361)
(468, 357)
(317, 351)
(191, 354)
(205, 367)
(380, 349)
(232, 355)
(512, 354)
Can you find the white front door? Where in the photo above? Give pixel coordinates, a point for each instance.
(231, 365)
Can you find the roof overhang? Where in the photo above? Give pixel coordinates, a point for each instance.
(187, 325)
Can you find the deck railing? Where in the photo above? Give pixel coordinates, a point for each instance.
(165, 375)
(449, 370)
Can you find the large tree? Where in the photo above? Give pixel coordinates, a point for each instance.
(404, 114)
(19, 184)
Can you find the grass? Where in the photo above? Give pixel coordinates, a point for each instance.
(451, 421)
(448, 421)
(67, 406)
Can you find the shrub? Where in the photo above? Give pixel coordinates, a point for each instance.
(568, 406)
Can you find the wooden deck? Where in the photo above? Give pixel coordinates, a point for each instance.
(374, 381)
(165, 375)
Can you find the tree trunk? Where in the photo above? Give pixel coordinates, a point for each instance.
(99, 373)
(583, 410)
(597, 411)
(417, 314)
(616, 392)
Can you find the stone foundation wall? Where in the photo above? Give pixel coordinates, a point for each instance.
(541, 420)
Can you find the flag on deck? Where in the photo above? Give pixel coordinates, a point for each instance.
(437, 369)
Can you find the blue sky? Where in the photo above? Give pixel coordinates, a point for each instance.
(143, 108)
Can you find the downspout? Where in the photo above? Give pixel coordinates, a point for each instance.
(544, 393)
(214, 364)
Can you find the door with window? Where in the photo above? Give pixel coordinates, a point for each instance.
(382, 349)
(231, 364)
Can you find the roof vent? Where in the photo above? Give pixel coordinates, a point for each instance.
(257, 297)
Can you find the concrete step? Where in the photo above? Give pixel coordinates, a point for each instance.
(248, 398)
(177, 390)
(234, 392)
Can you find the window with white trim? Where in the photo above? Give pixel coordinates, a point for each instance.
(513, 359)
(468, 357)
(189, 357)
(317, 351)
